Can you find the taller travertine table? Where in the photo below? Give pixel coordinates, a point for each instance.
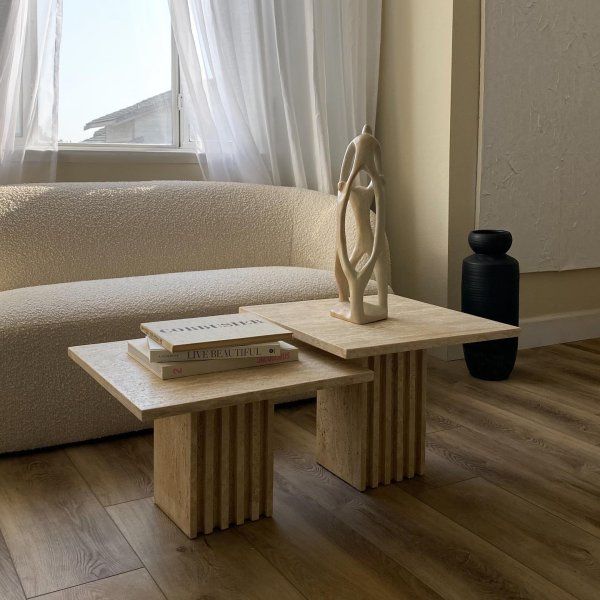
(370, 434)
(213, 453)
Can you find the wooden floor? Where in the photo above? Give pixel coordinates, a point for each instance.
(509, 508)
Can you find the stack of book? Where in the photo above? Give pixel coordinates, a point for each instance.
(184, 347)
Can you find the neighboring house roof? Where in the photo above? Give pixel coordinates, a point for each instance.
(130, 112)
(99, 136)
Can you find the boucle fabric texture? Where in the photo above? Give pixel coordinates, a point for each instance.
(87, 263)
(53, 233)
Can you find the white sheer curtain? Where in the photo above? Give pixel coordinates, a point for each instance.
(29, 47)
(277, 88)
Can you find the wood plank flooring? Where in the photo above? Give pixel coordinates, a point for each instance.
(10, 586)
(133, 585)
(56, 531)
(509, 507)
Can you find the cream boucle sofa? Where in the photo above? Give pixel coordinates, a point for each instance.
(87, 262)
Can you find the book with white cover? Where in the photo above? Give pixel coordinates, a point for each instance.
(158, 354)
(214, 332)
(138, 349)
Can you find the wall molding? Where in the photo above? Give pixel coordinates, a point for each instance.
(559, 328)
(544, 331)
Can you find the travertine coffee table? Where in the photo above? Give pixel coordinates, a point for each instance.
(374, 433)
(213, 457)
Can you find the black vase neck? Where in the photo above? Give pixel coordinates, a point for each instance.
(490, 241)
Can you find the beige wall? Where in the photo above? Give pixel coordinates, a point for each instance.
(101, 165)
(427, 123)
(413, 125)
(555, 292)
(464, 130)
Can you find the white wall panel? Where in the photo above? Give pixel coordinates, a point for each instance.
(540, 130)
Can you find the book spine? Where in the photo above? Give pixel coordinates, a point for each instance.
(250, 351)
(171, 371)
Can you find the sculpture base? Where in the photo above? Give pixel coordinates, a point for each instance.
(371, 313)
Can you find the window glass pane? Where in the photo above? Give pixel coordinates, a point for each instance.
(115, 72)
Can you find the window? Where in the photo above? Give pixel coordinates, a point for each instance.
(118, 74)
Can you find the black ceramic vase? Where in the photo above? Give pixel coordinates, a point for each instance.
(490, 289)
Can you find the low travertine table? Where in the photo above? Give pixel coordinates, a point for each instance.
(374, 433)
(213, 456)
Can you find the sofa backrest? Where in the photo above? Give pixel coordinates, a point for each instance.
(52, 233)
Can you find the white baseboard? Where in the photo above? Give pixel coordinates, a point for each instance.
(544, 331)
(560, 328)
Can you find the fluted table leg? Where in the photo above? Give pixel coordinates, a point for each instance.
(215, 468)
(373, 434)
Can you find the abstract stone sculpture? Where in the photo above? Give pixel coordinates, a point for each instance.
(362, 155)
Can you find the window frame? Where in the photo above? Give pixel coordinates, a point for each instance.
(177, 120)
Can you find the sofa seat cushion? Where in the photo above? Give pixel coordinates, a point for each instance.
(106, 309)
